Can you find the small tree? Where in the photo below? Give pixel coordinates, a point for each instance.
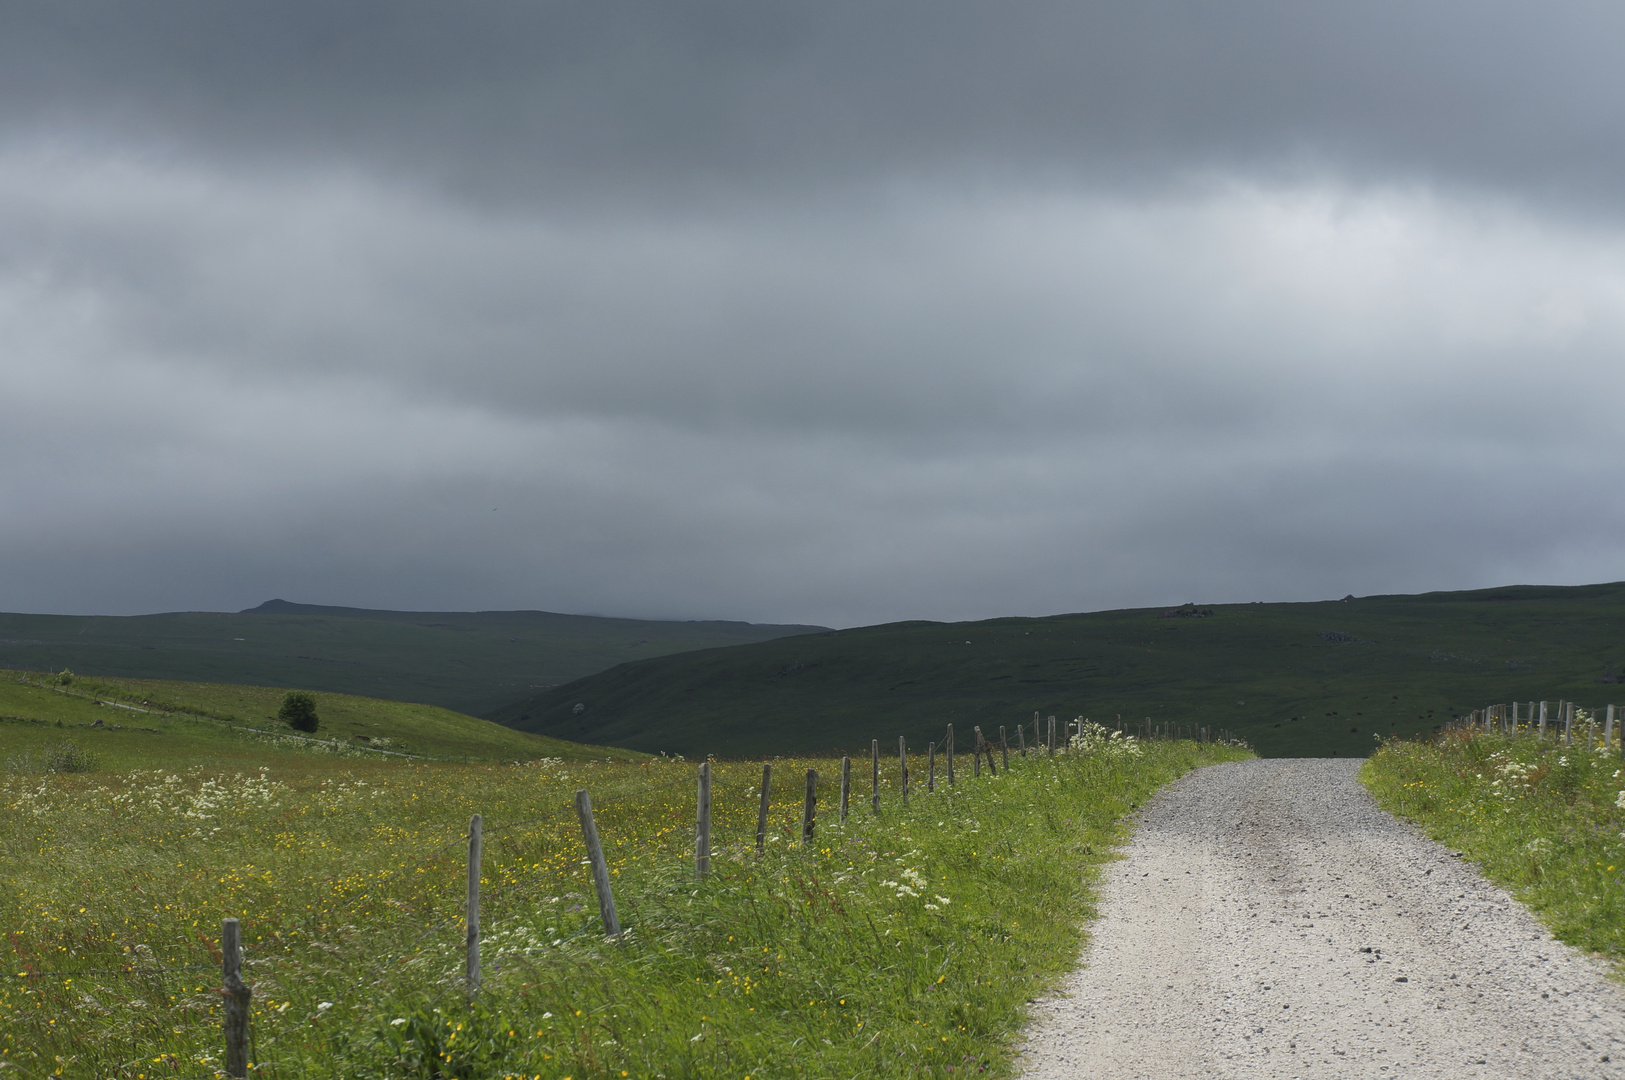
(299, 711)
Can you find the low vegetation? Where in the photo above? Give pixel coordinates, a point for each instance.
(470, 661)
(1304, 679)
(147, 723)
(1546, 822)
(903, 943)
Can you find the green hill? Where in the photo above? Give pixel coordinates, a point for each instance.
(1309, 678)
(471, 662)
(143, 723)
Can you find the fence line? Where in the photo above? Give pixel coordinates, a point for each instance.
(1539, 716)
(237, 994)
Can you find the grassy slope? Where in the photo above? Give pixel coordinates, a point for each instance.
(1540, 820)
(820, 961)
(468, 661)
(1413, 661)
(206, 723)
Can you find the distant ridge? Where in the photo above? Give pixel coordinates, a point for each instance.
(288, 607)
(469, 661)
(1309, 679)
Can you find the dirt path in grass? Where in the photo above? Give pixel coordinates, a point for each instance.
(1270, 921)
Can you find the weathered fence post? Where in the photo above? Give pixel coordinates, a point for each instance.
(976, 753)
(950, 750)
(846, 786)
(1568, 723)
(902, 766)
(1608, 730)
(931, 771)
(809, 807)
(600, 871)
(874, 774)
(1543, 719)
(237, 995)
(986, 747)
(1052, 736)
(476, 834)
(761, 813)
(702, 824)
(1021, 738)
(1004, 749)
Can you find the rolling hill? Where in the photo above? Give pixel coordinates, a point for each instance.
(1294, 679)
(149, 723)
(470, 662)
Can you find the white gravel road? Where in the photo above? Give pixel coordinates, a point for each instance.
(1270, 921)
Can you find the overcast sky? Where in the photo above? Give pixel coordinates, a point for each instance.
(816, 312)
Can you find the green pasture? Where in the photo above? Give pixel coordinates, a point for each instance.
(900, 944)
(144, 723)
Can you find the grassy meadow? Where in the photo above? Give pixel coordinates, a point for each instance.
(142, 723)
(900, 944)
(1544, 821)
(1301, 679)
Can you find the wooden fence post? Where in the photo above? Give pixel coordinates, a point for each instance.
(761, 814)
(1608, 730)
(476, 834)
(1568, 723)
(902, 765)
(950, 750)
(986, 747)
(931, 773)
(976, 753)
(874, 774)
(237, 996)
(846, 786)
(809, 807)
(702, 824)
(1021, 738)
(1004, 749)
(600, 871)
(1052, 736)
(1543, 719)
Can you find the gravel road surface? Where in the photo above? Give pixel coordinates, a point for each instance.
(1270, 921)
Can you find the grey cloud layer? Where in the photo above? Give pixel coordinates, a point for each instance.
(827, 313)
(656, 100)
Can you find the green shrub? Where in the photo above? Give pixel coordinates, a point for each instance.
(298, 711)
(62, 757)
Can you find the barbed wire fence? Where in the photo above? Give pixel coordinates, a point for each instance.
(243, 1050)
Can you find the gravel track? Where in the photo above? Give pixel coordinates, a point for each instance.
(1270, 920)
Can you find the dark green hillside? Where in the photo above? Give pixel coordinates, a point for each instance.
(467, 661)
(1310, 679)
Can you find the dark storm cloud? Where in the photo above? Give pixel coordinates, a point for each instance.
(532, 100)
(833, 313)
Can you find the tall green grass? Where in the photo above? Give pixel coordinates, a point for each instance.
(1546, 822)
(900, 944)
